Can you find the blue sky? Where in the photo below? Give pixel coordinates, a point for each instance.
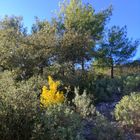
(126, 12)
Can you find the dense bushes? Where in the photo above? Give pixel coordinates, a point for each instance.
(59, 122)
(22, 118)
(18, 109)
(127, 111)
(103, 88)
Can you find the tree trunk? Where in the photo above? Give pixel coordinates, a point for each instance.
(2, 68)
(73, 68)
(112, 71)
(41, 71)
(83, 67)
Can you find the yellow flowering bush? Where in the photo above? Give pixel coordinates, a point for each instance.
(50, 95)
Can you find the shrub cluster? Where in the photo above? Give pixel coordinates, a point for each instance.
(127, 111)
(59, 122)
(27, 116)
(103, 88)
(22, 118)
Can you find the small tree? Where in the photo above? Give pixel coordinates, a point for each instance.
(116, 48)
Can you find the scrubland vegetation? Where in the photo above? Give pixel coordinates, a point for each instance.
(52, 79)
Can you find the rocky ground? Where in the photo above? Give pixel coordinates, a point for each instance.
(107, 108)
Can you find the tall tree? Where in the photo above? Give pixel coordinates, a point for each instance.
(43, 42)
(81, 28)
(116, 48)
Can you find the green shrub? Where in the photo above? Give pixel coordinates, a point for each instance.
(59, 122)
(18, 109)
(104, 88)
(127, 111)
(131, 83)
(83, 104)
(105, 130)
